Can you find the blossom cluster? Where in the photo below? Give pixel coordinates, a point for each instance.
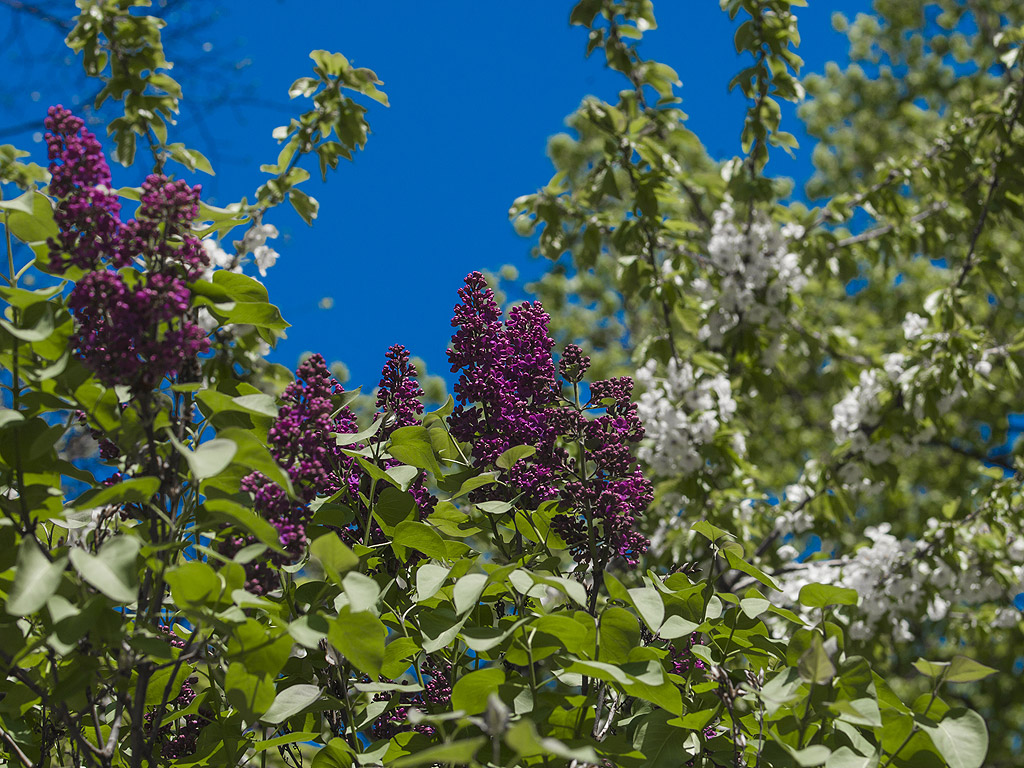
(900, 580)
(399, 405)
(508, 396)
(436, 695)
(753, 273)
(301, 441)
(179, 738)
(682, 413)
(132, 327)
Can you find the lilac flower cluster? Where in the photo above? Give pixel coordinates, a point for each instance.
(300, 441)
(437, 695)
(399, 393)
(132, 327)
(88, 211)
(508, 396)
(682, 661)
(506, 387)
(398, 401)
(178, 739)
(615, 493)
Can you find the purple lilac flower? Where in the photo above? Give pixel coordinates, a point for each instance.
(399, 393)
(134, 334)
(87, 210)
(300, 441)
(178, 739)
(159, 233)
(508, 396)
(682, 661)
(505, 387)
(573, 365)
(398, 398)
(131, 327)
(436, 696)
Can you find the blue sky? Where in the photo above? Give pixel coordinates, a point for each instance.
(476, 88)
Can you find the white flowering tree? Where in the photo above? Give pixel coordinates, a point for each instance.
(837, 383)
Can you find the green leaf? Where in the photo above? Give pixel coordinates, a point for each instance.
(308, 630)
(258, 403)
(240, 287)
(112, 570)
(250, 694)
(965, 670)
(334, 555)
(290, 702)
(260, 648)
(192, 159)
(471, 484)
(359, 637)
(821, 595)
(211, 458)
(708, 531)
(960, 737)
(618, 633)
(661, 743)
(254, 455)
(470, 692)
(161, 679)
(421, 537)
(194, 584)
(396, 656)
(351, 438)
(137, 490)
(509, 458)
(753, 607)
(10, 416)
(467, 591)
(257, 313)
(234, 513)
(361, 590)
(31, 218)
(650, 605)
(455, 752)
(675, 627)
(738, 563)
(393, 508)
(429, 578)
(21, 203)
(814, 755)
(35, 579)
(934, 669)
(335, 754)
(412, 446)
(523, 738)
(307, 207)
(844, 757)
(815, 666)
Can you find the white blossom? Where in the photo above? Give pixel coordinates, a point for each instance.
(857, 409)
(754, 272)
(682, 412)
(914, 326)
(257, 236)
(265, 257)
(218, 258)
